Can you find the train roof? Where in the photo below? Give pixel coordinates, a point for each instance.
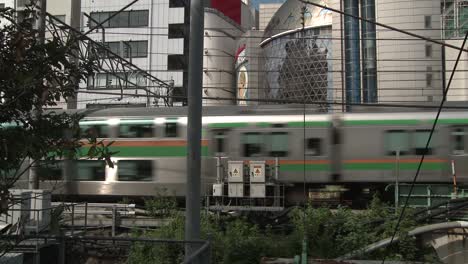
(265, 110)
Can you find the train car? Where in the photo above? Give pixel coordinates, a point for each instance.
(356, 150)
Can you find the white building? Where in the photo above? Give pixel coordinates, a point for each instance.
(266, 12)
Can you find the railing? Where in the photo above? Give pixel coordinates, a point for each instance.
(202, 254)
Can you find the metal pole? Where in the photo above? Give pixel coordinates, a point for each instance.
(397, 174)
(192, 198)
(41, 25)
(75, 23)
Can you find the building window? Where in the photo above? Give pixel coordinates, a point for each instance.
(135, 170)
(125, 19)
(117, 80)
(314, 147)
(61, 18)
(178, 3)
(176, 31)
(252, 144)
(2, 5)
(428, 50)
(420, 138)
(138, 49)
(176, 62)
(429, 76)
(397, 140)
(427, 22)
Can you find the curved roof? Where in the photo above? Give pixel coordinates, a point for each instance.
(288, 17)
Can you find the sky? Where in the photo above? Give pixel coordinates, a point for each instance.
(257, 2)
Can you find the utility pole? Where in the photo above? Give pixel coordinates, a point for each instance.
(75, 23)
(195, 70)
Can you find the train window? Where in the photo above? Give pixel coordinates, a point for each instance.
(458, 141)
(95, 131)
(252, 144)
(220, 138)
(314, 147)
(420, 141)
(49, 171)
(135, 131)
(397, 140)
(135, 170)
(171, 129)
(90, 170)
(279, 144)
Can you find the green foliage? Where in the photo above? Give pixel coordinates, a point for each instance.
(36, 75)
(330, 234)
(162, 205)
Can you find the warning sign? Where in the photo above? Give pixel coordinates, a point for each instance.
(236, 172)
(258, 171)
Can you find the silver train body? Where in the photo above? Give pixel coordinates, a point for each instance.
(347, 149)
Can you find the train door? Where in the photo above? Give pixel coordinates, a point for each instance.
(459, 150)
(220, 145)
(335, 149)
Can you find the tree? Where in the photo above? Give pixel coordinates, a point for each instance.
(35, 76)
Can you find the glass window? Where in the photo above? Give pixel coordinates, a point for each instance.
(428, 50)
(139, 18)
(252, 144)
(176, 31)
(95, 131)
(458, 140)
(429, 76)
(397, 140)
(178, 3)
(427, 22)
(314, 146)
(135, 170)
(279, 144)
(176, 62)
(49, 171)
(171, 129)
(136, 130)
(91, 170)
(420, 138)
(220, 141)
(61, 18)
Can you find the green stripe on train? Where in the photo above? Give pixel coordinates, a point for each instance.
(152, 151)
(365, 166)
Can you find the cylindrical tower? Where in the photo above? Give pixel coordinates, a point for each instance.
(369, 57)
(352, 52)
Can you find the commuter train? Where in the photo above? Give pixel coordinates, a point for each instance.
(355, 150)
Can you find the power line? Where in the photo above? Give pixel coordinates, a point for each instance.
(398, 104)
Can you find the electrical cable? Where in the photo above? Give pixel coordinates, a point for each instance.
(400, 218)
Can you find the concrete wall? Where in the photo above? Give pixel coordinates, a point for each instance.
(267, 10)
(220, 41)
(458, 89)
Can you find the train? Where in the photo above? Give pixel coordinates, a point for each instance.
(357, 151)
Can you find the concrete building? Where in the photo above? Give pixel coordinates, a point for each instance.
(266, 12)
(454, 26)
(220, 39)
(392, 67)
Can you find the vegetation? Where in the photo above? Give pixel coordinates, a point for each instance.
(330, 234)
(35, 75)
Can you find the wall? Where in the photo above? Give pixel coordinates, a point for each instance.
(159, 45)
(458, 88)
(220, 41)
